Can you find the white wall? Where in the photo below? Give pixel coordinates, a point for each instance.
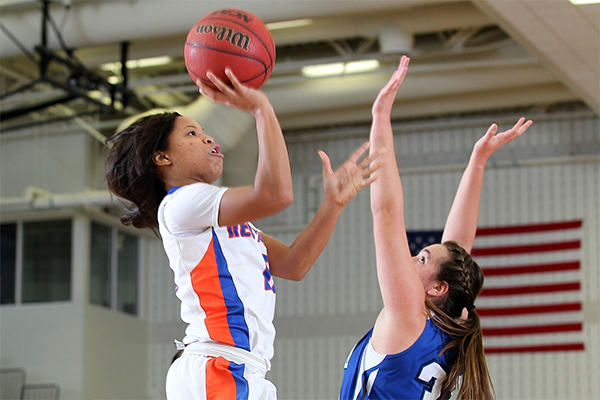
(47, 341)
(55, 162)
(115, 355)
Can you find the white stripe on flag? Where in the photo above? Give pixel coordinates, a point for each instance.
(532, 299)
(532, 340)
(527, 238)
(539, 279)
(532, 320)
(529, 258)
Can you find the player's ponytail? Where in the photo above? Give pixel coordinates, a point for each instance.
(469, 373)
(130, 169)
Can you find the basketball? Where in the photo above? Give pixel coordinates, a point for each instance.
(230, 38)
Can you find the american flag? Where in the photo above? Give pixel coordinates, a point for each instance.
(531, 298)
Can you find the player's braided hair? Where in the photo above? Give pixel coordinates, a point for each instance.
(465, 280)
(467, 262)
(130, 170)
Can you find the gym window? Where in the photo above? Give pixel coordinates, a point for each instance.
(35, 261)
(114, 269)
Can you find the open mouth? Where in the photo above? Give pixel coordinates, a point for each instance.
(216, 150)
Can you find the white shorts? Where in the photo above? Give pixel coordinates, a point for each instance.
(199, 377)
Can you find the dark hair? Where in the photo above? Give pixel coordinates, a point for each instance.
(177, 355)
(465, 280)
(130, 169)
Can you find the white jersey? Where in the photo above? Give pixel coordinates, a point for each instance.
(222, 274)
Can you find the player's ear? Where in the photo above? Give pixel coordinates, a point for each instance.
(161, 158)
(439, 289)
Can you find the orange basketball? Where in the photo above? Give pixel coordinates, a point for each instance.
(230, 38)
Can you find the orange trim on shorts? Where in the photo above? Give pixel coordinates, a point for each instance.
(220, 383)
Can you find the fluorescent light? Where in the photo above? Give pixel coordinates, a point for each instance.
(100, 96)
(581, 2)
(315, 71)
(361, 66)
(352, 67)
(289, 24)
(141, 63)
(95, 94)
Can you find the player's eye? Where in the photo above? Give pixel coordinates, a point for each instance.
(422, 259)
(191, 133)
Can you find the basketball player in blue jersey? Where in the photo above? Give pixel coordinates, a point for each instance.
(427, 340)
(166, 165)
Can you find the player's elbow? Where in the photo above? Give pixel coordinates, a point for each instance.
(288, 274)
(296, 275)
(281, 199)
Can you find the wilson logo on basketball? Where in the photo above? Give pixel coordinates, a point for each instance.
(233, 13)
(221, 33)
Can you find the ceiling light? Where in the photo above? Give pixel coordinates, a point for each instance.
(315, 71)
(289, 24)
(581, 2)
(361, 66)
(353, 67)
(141, 63)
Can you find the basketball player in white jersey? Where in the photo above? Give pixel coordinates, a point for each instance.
(428, 334)
(223, 266)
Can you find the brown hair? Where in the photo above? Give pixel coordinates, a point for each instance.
(465, 280)
(130, 170)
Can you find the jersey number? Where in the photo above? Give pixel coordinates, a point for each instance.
(269, 281)
(432, 376)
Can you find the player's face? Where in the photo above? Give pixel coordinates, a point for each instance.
(194, 155)
(426, 263)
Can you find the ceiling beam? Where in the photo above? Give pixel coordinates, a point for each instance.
(564, 37)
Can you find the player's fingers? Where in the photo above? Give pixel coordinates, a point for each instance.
(326, 162)
(234, 80)
(222, 86)
(403, 68)
(375, 162)
(525, 126)
(519, 123)
(491, 132)
(520, 127)
(369, 159)
(359, 152)
(206, 90)
(368, 180)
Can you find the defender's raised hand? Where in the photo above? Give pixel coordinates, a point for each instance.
(352, 176)
(492, 141)
(385, 100)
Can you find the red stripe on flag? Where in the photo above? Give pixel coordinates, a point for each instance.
(548, 308)
(535, 349)
(531, 269)
(530, 248)
(516, 229)
(507, 291)
(534, 329)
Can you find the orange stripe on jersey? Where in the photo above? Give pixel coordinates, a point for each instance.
(207, 285)
(220, 383)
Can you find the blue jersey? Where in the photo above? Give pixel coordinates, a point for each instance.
(416, 373)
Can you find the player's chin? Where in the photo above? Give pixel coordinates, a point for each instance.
(218, 169)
